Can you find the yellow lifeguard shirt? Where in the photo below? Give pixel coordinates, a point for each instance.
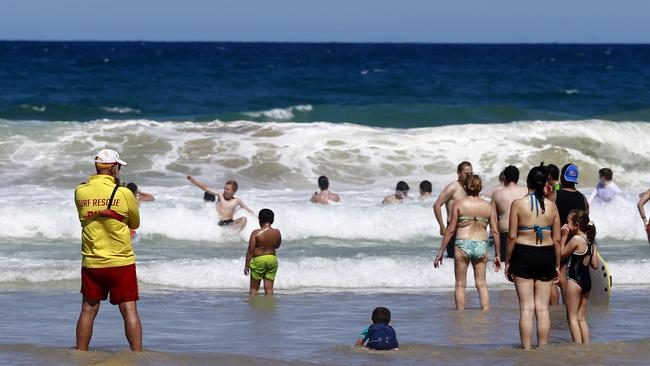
(105, 241)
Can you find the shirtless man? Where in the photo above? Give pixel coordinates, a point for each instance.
(502, 199)
(324, 196)
(401, 193)
(227, 203)
(643, 199)
(452, 192)
(261, 261)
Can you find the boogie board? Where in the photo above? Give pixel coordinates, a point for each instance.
(601, 283)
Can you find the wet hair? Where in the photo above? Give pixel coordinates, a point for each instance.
(266, 216)
(511, 174)
(563, 181)
(402, 186)
(381, 315)
(537, 178)
(323, 183)
(581, 218)
(473, 185)
(553, 171)
(606, 173)
(502, 177)
(234, 185)
(133, 188)
(462, 165)
(425, 186)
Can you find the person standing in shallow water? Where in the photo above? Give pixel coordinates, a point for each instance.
(533, 257)
(107, 212)
(324, 196)
(452, 193)
(470, 217)
(261, 261)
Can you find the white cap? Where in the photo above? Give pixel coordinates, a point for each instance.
(108, 156)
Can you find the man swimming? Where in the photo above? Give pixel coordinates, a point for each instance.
(502, 199)
(401, 193)
(226, 203)
(261, 261)
(324, 196)
(452, 192)
(426, 190)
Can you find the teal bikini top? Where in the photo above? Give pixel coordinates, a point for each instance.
(474, 218)
(539, 230)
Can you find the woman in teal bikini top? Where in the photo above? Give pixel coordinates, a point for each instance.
(469, 220)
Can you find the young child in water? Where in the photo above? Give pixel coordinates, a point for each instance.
(379, 335)
(261, 262)
(581, 252)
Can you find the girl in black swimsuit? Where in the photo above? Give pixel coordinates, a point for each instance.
(581, 252)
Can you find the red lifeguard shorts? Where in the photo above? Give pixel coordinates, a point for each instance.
(120, 282)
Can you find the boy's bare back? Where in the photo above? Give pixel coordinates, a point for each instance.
(266, 240)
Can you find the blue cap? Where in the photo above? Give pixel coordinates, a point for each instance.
(571, 174)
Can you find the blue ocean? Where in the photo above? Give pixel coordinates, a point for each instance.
(276, 116)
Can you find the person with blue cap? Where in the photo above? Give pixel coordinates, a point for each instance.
(568, 198)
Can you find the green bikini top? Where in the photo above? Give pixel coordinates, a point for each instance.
(474, 218)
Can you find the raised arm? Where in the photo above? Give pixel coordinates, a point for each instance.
(643, 199)
(202, 185)
(445, 196)
(449, 232)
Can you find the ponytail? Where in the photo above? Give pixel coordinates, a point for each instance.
(537, 178)
(581, 218)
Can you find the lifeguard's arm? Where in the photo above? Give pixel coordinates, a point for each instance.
(449, 232)
(250, 251)
(445, 196)
(203, 186)
(242, 205)
(144, 196)
(134, 211)
(643, 199)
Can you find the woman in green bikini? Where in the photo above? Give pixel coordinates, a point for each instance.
(469, 221)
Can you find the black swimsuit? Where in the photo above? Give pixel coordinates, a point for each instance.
(226, 222)
(578, 271)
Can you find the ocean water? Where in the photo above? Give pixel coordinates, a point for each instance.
(275, 117)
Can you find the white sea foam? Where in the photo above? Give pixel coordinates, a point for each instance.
(395, 273)
(121, 110)
(282, 114)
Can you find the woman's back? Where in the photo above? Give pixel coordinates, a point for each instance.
(473, 217)
(533, 224)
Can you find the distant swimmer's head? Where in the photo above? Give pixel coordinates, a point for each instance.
(402, 189)
(229, 189)
(464, 170)
(473, 185)
(510, 174)
(133, 188)
(605, 175)
(425, 188)
(536, 181)
(381, 315)
(108, 162)
(323, 183)
(266, 216)
(569, 176)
